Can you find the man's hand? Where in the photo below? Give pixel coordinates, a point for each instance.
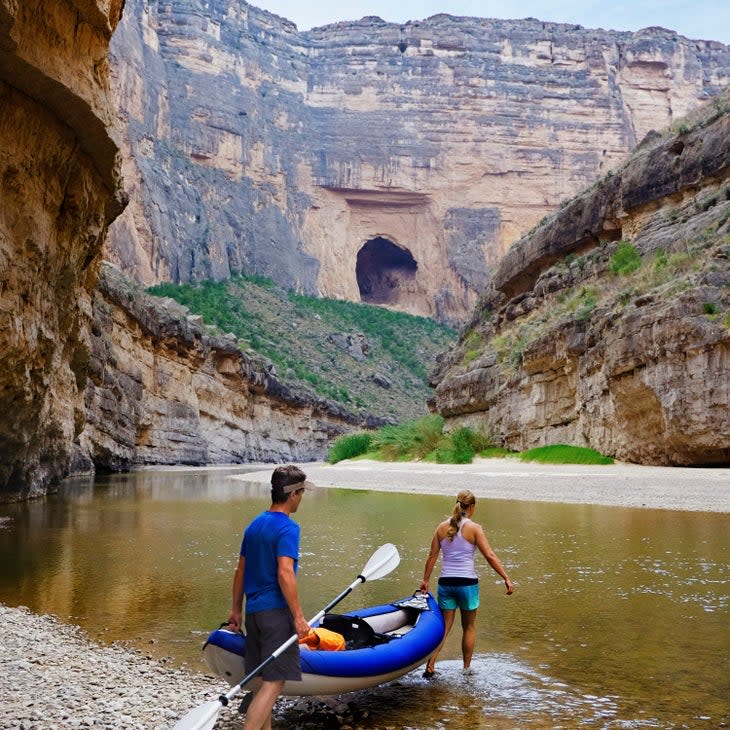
(302, 627)
(235, 620)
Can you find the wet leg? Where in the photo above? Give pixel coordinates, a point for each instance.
(468, 636)
(448, 615)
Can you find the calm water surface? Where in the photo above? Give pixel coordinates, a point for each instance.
(620, 618)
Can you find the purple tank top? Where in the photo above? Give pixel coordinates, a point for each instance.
(458, 555)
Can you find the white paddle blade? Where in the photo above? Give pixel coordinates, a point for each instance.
(202, 717)
(383, 561)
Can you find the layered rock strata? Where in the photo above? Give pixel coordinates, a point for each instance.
(59, 190)
(252, 147)
(572, 343)
(162, 390)
(98, 377)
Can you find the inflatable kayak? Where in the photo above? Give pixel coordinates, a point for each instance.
(382, 643)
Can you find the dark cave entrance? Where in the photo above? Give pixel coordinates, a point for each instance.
(382, 268)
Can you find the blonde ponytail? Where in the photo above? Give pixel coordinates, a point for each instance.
(464, 500)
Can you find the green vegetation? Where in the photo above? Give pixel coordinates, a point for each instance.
(410, 440)
(583, 303)
(625, 260)
(473, 347)
(425, 440)
(458, 447)
(349, 446)
(497, 452)
(564, 454)
(370, 359)
(511, 345)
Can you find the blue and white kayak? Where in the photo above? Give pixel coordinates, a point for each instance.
(383, 643)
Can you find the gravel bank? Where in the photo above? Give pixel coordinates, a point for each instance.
(52, 676)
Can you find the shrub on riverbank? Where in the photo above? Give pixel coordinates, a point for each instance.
(349, 446)
(425, 440)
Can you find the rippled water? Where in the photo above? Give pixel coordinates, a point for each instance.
(620, 619)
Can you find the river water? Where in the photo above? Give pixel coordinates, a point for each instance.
(620, 617)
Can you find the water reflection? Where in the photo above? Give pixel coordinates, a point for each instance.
(621, 618)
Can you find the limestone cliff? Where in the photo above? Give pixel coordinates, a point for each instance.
(367, 160)
(162, 390)
(58, 193)
(97, 376)
(609, 324)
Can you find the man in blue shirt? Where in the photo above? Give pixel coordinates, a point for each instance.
(266, 574)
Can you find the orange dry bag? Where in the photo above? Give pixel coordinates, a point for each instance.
(324, 639)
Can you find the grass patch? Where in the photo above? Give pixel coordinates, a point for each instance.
(457, 447)
(625, 260)
(411, 440)
(473, 347)
(420, 440)
(564, 454)
(497, 452)
(349, 446)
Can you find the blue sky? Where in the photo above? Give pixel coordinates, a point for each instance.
(699, 20)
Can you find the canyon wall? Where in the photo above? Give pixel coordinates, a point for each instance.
(162, 390)
(368, 160)
(608, 325)
(93, 373)
(59, 189)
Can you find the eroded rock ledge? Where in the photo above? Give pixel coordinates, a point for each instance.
(162, 390)
(563, 348)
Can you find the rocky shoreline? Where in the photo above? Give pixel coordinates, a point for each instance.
(52, 675)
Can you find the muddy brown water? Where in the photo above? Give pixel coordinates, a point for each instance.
(620, 617)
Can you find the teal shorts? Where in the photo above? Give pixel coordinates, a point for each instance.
(464, 597)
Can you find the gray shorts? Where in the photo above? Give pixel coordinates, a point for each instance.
(266, 631)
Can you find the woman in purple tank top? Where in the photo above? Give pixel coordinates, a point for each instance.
(458, 538)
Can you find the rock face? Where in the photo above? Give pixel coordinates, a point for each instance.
(58, 193)
(572, 343)
(161, 390)
(367, 160)
(99, 377)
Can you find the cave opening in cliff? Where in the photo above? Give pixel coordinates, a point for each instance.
(382, 270)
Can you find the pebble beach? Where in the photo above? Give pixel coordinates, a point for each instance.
(54, 676)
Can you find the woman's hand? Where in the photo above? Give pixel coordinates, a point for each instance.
(510, 587)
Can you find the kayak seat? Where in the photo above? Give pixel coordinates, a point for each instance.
(358, 633)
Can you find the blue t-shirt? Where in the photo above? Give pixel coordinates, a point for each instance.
(269, 536)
